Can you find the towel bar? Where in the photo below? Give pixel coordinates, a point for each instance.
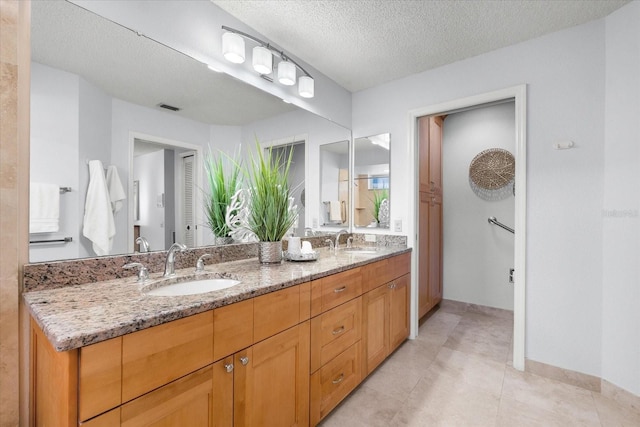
(63, 240)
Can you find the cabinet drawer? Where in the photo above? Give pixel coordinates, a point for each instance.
(334, 290)
(334, 381)
(110, 419)
(383, 271)
(156, 356)
(334, 331)
(100, 378)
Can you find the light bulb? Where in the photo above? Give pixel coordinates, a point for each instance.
(262, 60)
(233, 48)
(306, 87)
(287, 73)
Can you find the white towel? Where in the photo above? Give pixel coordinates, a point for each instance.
(335, 211)
(98, 225)
(44, 208)
(116, 192)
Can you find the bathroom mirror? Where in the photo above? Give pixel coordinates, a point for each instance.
(371, 181)
(96, 91)
(334, 188)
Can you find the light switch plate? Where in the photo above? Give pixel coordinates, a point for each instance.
(314, 223)
(397, 225)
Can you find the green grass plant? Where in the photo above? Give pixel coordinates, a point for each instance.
(223, 177)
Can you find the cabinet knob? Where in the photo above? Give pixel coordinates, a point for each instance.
(228, 367)
(392, 285)
(338, 331)
(339, 379)
(338, 290)
(244, 360)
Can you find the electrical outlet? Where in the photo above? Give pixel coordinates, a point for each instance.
(370, 238)
(314, 223)
(397, 225)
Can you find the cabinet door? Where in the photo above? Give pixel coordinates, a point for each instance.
(184, 402)
(375, 318)
(223, 392)
(398, 311)
(423, 254)
(435, 251)
(430, 142)
(271, 384)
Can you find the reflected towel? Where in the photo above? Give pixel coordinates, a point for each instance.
(335, 211)
(116, 192)
(44, 208)
(98, 225)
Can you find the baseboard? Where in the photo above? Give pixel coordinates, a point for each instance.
(588, 382)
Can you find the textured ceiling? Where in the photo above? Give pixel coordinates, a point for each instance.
(141, 71)
(363, 43)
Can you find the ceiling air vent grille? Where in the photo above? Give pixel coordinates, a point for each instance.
(168, 107)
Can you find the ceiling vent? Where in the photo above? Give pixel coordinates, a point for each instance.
(168, 107)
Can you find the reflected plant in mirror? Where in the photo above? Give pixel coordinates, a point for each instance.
(223, 179)
(371, 181)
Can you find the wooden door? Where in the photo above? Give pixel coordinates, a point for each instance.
(435, 154)
(435, 251)
(184, 402)
(398, 311)
(423, 254)
(271, 384)
(223, 392)
(375, 318)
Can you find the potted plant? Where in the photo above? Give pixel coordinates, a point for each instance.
(379, 196)
(223, 179)
(270, 210)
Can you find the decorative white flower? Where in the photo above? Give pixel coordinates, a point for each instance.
(236, 218)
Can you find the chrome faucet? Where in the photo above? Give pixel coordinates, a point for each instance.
(338, 234)
(308, 231)
(144, 244)
(169, 263)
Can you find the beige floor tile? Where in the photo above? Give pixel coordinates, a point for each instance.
(613, 413)
(513, 413)
(451, 306)
(547, 396)
(448, 403)
(441, 323)
(365, 407)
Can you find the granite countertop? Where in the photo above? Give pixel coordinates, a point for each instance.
(80, 315)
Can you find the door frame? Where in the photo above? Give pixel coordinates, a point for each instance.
(519, 95)
(197, 180)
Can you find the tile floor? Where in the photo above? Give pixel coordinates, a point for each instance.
(458, 372)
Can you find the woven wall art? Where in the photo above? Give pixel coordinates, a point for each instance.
(492, 174)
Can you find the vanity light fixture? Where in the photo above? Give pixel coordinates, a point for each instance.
(262, 61)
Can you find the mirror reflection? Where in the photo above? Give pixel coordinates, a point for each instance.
(371, 182)
(334, 188)
(96, 94)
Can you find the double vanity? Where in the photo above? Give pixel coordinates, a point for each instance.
(282, 347)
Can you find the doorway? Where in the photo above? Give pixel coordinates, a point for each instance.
(518, 95)
(164, 176)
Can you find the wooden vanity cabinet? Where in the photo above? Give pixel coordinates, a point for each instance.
(385, 314)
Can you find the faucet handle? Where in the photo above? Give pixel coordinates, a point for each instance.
(143, 273)
(349, 242)
(200, 262)
(331, 245)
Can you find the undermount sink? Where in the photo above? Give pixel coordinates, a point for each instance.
(193, 287)
(360, 250)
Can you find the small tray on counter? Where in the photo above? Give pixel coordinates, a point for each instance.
(301, 257)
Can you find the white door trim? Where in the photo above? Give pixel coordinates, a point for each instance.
(519, 94)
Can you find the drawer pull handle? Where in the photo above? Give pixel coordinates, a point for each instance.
(342, 289)
(244, 360)
(392, 285)
(338, 331)
(228, 367)
(339, 379)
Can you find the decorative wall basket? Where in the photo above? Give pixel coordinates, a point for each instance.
(492, 174)
(270, 252)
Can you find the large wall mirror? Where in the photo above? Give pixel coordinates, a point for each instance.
(334, 184)
(371, 181)
(100, 91)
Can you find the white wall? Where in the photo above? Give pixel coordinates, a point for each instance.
(564, 73)
(54, 153)
(621, 209)
(93, 144)
(477, 256)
